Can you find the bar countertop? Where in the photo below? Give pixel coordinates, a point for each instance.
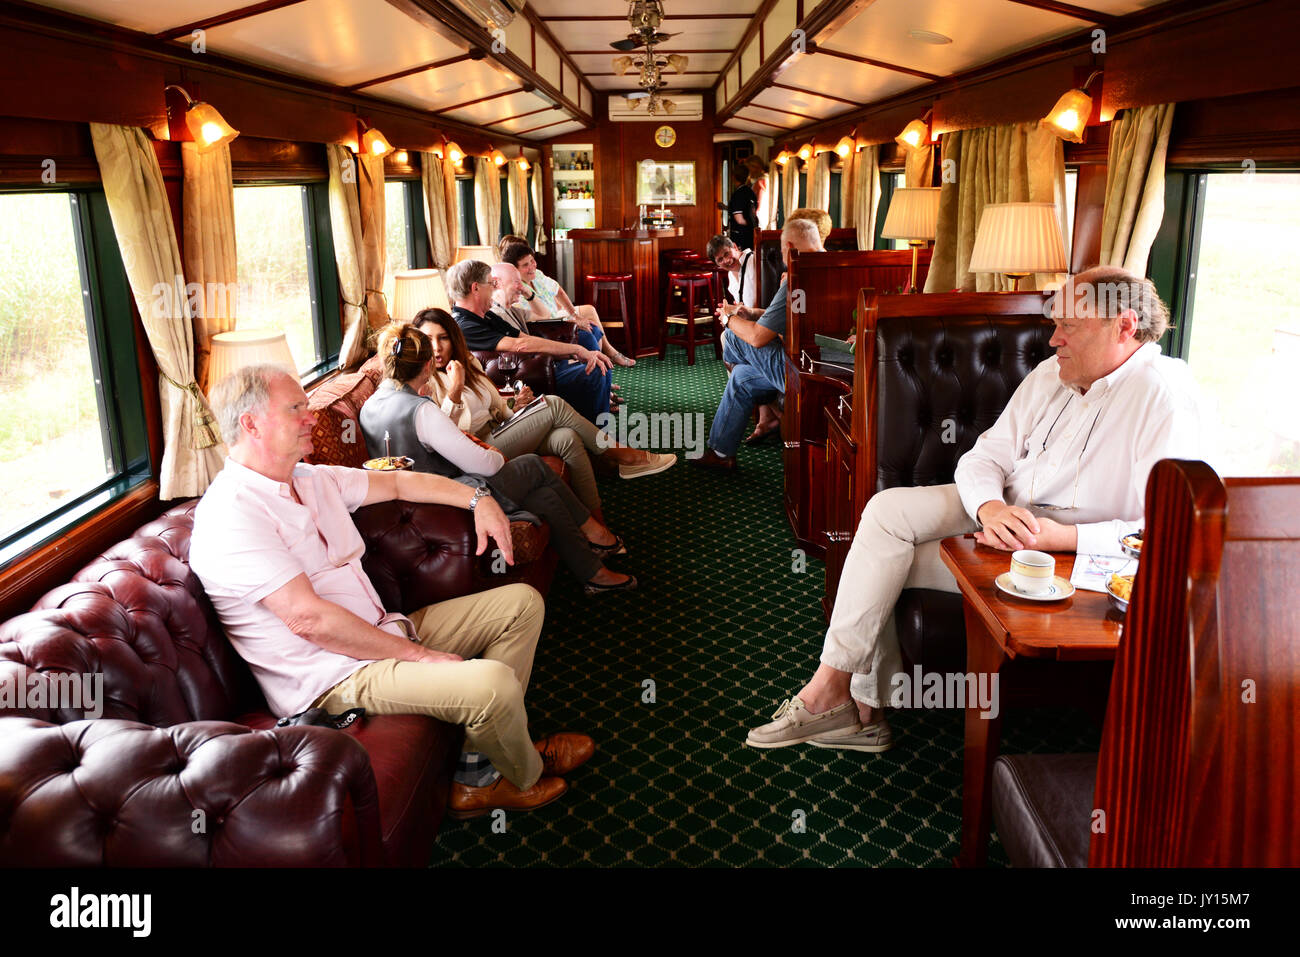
(589, 235)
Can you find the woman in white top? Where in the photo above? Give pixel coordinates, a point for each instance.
(546, 299)
(553, 427)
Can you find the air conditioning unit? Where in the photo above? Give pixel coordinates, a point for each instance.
(493, 14)
(690, 106)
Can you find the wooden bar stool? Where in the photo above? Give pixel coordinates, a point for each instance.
(608, 283)
(697, 304)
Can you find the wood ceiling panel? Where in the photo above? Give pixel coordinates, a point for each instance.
(149, 16)
(519, 39)
(489, 111)
(446, 86)
(334, 41)
(981, 31)
(807, 103)
(618, 8)
(771, 118)
(749, 60)
(777, 27)
(548, 62)
(738, 123)
(548, 132)
(854, 81)
(531, 122)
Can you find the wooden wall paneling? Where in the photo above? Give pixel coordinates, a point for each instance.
(1089, 205)
(1226, 131)
(25, 145)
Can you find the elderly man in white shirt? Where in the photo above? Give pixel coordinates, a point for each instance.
(1064, 468)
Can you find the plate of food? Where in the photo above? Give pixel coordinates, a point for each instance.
(388, 463)
(1120, 590)
(1132, 544)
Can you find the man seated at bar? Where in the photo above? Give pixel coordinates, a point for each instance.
(753, 346)
(1064, 468)
(276, 550)
(582, 376)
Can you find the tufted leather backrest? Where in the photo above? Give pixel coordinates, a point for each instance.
(945, 367)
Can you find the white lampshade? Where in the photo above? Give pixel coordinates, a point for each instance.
(248, 347)
(484, 254)
(416, 289)
(913, 213)
(1018, 239)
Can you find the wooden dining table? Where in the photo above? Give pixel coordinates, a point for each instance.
(1057, 652)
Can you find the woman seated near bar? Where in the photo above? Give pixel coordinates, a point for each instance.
(554, 427)
(546, 299)
(415, 426)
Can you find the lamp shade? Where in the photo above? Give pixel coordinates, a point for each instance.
(845, 146)
(1018, 239)
(248, 347)
(913, 135)
(913, 213)
(375, 143)
(416, 289)
(1070, 115)
(484, 254)
(208, 127)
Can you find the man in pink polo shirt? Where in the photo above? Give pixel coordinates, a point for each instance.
(278, 554)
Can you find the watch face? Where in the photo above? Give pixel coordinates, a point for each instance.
(665, 136)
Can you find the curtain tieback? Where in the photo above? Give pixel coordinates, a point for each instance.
(205, 426)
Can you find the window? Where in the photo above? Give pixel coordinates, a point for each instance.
(1071, 189)
(468, 223)
(833, 204)
(277, 288)
(1242, 319)
(397, 234)
(72, 433)
(889, 181)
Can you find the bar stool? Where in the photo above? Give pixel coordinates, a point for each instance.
(608, 283)
(696, 291)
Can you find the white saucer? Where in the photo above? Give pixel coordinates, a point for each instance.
(1061, 588)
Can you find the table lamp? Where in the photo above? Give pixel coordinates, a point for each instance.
(417, 289)
(484, 254)
(1017, 239)
(913, 215)
(247, 347)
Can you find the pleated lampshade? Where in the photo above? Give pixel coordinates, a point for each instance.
(1018, 239)
(416, 289)
(484, 254)
(248, 347)
(913, 213)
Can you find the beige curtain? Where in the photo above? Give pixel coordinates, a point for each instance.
(487, 201)
(864, 201)
(374, 259)
(918, 165)
(345, 226)
(773, 194)
(142, 221)
(1135, 186)
(208, 223)
(535, 188)
(442, 242)
(819, 182)
(517, 195)
(790, 187)
(999, 164)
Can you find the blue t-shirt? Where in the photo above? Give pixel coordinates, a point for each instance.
(774, 316)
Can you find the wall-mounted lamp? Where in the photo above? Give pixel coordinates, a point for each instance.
(208, 127)
(915, 133)
(1070, 114)
(373, 142)
(455, 153)
(806, 152)
(523, 161)
(782, 158)
(845, 146)
(498, 157)
(401, 157)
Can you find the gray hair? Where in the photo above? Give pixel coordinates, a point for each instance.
(463, 275)
(1108, 291)
(802, 234)
(243, 391)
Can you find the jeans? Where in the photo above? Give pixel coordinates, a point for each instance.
(588, 394)
(758, 377)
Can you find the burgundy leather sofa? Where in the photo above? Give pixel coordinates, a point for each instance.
(184, 767)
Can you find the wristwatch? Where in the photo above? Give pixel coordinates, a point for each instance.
(481, 492)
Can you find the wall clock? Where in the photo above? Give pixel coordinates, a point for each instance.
(665, 136)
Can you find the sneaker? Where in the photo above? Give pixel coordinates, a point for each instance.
(794, 724)
(657, 462)
(874, 737)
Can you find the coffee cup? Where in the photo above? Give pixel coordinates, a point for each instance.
(1032, 571)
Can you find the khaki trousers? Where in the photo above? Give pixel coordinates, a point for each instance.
(560, 431)
(896, 546)
(499, 630)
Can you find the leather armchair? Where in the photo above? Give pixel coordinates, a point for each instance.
(184, 726)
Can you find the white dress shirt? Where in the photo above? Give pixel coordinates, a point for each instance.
(746, 292)
(1091, 452)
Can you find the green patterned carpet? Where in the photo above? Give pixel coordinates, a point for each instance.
(725, 625)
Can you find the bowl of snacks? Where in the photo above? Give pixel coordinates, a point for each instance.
(1132, 544)
(1120, 589)
(388, 463)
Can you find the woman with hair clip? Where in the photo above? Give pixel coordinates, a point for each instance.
(416, 427)
(546, 299)
(548, 427)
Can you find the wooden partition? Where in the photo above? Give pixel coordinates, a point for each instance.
(878, 436)
(824, 293)
(767, 256)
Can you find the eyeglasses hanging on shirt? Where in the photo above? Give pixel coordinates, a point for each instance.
(1033, 479)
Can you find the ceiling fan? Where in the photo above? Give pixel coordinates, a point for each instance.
(644, 16)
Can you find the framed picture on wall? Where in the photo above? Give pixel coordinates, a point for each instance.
(665, 183)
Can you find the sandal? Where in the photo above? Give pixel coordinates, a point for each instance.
(756, 436)
(617, 548)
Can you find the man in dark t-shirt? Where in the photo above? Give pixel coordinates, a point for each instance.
(582, 376)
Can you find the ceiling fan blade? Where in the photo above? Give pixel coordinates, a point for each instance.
(628, 45)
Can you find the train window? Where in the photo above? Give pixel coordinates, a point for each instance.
(468, 224)
(397, 233)
(272, 225)
(1071, 190)
(1243, 319)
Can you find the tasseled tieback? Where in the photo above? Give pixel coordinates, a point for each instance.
(206, 434)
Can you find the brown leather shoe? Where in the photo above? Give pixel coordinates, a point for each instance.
(712, 460)
(563, 752)
(467, 802)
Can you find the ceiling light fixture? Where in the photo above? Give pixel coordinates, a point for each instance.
(929, 36)
(1069, 116)
(208, 127)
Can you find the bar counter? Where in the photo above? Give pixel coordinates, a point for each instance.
(634, 251)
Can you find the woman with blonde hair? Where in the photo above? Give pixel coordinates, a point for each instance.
(551, 427)
(399, 421)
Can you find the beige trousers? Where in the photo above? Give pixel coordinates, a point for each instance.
(498, 629)
(896, 546)
(557, 430)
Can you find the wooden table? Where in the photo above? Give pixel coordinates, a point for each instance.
(1028, 642)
